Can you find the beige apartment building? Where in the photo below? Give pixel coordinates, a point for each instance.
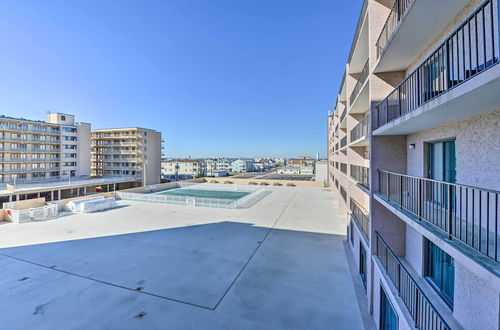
(134, 152)
(413, 154)
(39, 151)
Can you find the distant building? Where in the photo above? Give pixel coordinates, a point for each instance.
(75, 145)
(224, 164)
(191, 168)
(132, 151)
(321, 171)
(296, 170)
(37, 151)
(242, 165)
(301, 162)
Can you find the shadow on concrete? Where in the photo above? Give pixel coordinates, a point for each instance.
(297, 279)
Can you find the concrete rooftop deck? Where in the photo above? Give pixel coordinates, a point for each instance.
(279, 264)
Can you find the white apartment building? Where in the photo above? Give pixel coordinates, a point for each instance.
(413, 154)
(224, 164)
(75, 145)
(34, 151)
(242, 165)
(133, 151)
(184, 167)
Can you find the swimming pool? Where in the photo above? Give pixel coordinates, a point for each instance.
(229, 196)
(202, 193)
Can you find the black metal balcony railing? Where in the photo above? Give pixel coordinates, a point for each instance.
(343, 168)
(397, 12)
(343, 193)
(471, 49)
(360, 215)
(361, 80)
(337, 146)
(420, 307)
(469, 214)
(361, 129)
(361, 175)
(343, 142)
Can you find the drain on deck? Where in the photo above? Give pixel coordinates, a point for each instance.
(139, 288)
(140, 315)
(23, 278)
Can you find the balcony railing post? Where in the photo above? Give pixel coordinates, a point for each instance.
(401, 191)
(417, 299)
(420, 200)
(450, 211)
(388, 186)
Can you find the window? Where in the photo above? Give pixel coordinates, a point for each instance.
(440, 271)
(351, 232)
(388, 317)
(63, 118)
(362, 263)
(69, 129)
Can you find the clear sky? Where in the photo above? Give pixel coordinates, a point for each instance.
(216, 77)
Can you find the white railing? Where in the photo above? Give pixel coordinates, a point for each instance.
(33, 214)
(256, 194)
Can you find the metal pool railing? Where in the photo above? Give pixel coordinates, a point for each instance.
(254, 195)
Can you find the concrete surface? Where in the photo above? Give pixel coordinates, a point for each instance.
(279, 264)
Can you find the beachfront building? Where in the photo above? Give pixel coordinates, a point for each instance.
(127, 152)
(40, 151)
(413, 153)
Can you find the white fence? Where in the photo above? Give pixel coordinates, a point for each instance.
(256, 193)
(33, 214)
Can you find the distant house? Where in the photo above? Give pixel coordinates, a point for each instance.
(243, 165)
(176, 169)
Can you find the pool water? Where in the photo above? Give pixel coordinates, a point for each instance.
(221, 194)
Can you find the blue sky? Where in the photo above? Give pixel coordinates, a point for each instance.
(216, 77)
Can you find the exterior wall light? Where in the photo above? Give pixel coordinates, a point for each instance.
(411, 146)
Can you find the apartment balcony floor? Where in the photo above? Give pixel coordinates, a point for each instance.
(279, 264)
(416, 31)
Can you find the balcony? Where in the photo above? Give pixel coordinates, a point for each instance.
(53, 131)
(361, 175)
(465, 213)
(465, 63)
(420, 307)
(360, 131)
(22, 150)
(28, 170)
(412, 26)
(359, 84)
(21, 140)
(360, 215)
(395, 15)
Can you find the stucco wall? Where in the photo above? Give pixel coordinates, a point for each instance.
(477, 149)
(476, 302)
(414, 248)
